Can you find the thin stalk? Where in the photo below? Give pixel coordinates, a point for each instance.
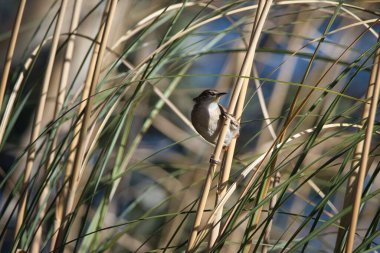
(222, 186)
(29, 63)
(67, 206)
(76, 140)
(352, 180)
(272, 205)
(374, 88)
(277, 176)
(281, 137)
(274, 146)
(10, 50)
(88, 106)
(39, 115)
(24, 74)
(61, 92)
(245, 71)
(226, 169)
(276, 103)
(256, 164)
(116, 173)
(123, 163)
(15, 91)
(78, 144)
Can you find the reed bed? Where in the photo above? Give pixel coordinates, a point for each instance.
(98, 153)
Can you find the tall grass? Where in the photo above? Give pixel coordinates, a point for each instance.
(98, 153)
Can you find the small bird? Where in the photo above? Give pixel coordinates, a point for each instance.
(207, 117)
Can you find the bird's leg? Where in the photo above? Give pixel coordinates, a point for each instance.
(212, 158)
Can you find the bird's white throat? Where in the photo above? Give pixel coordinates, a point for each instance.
(212, 107)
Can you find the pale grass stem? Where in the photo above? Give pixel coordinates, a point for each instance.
(61, 93)
(373, 97)
(245, 71)
(95, 144)
(77, 148)
(292, 111)
(352, 180)
(290, 119)
(39, 116)
(255, 167)
(10, 51)
(226, 169)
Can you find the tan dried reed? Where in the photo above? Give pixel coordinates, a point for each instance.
(245, 71)
(10, 50)
(363, 150)
(37, 123)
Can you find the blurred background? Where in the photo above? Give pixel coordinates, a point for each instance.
(141, 165)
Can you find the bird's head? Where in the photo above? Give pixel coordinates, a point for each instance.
(209, 96)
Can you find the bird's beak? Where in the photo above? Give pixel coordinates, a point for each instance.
(221, 94)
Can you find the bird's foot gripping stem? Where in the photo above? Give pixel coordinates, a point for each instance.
(213, 161)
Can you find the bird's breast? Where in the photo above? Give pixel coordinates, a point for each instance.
(206, 120)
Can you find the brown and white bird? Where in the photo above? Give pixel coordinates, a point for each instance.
(207, 117)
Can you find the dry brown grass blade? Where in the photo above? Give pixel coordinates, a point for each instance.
(15, 91)
(88, 105)
(266, 188)
(58, 106)
(290, 119)
(224, 176)
(69, 195)
(358, 176)
(345, 222)
(255, 166)
(292, 112)
(226, 169)
(76, 156)
(277, 175)
(10, 51)
(245, 71)
(39, 115)
(275, 100)
(151, 18)
(222, 84)
(272, 204)
(352, 180)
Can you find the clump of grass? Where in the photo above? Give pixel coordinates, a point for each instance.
(110, 161)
